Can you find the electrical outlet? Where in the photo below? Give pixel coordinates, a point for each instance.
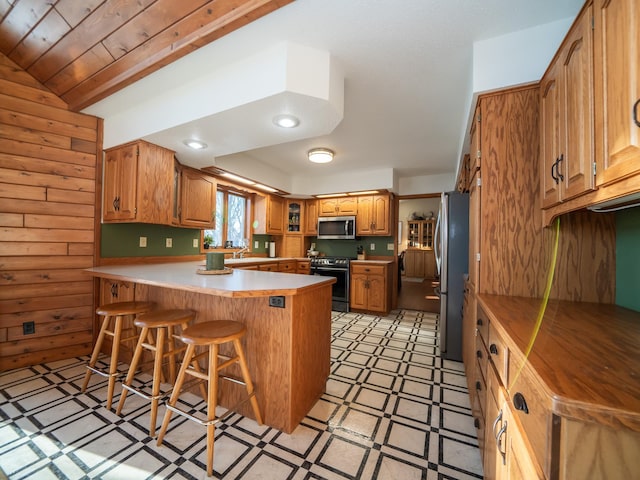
(29, 328)
(276, 301)
(143, 242)
(195, 243)
(390, 246)
(256, 244)
(372, 247)
(169, 242)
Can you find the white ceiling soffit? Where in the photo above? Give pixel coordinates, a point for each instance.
(231, 109)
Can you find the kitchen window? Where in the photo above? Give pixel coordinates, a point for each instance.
(231, 219)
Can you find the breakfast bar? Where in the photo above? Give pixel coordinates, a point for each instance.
(288, 320)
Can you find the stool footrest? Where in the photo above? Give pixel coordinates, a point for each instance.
(216, 420)
(103, 373)
(139, 392)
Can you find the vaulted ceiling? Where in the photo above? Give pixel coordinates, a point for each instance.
(85, 50)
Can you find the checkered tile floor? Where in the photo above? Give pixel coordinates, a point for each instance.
(393, 409)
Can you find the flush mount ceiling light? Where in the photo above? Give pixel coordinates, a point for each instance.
(195, 144)
(286, 121)
(320, 155)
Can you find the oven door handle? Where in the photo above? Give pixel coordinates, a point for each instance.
(325, 269)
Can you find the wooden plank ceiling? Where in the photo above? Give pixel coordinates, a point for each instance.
(85, 50)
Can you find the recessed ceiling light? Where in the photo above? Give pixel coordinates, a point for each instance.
(286, 121)
(195, 144)
(320, 155)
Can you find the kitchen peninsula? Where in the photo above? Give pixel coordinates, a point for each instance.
(287, 346)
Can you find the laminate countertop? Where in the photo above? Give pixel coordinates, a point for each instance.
(238, 283)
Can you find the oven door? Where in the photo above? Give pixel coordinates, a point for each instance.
(340, 289)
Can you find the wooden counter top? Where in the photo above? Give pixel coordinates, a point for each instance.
(586, 355)
(239, 283)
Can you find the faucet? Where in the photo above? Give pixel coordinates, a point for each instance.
(240, 253)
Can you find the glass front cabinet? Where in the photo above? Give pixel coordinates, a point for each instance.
(420, 234)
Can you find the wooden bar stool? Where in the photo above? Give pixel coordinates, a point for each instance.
(116, 313)
(212, 335)
(163, 323)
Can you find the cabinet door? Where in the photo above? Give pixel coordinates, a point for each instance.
(294, 218)
(364, 220)
(292, 246)
(198, 207)
(381, 215)
(474, 234)
(327, 207)
(175, 197)
(550, 135)
(475, 151)
(119, 185)
(576, 59)
(347, 206)
(275, 215)
(376, 293)
(311, 217)
(113, 291)
(358, 291)
(617, 88)
(414, 263)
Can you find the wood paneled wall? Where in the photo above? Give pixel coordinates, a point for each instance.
(48, 178)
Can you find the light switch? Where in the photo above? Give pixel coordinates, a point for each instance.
(195, 243)
(372, 246)
(143, 242)
(390, 246)
(256, 244)
(169, 242)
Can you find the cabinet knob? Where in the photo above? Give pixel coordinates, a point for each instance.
(479, 322)
(520, 403)
(476, 423)
(493, 349)
(478, 386)
(479, 353)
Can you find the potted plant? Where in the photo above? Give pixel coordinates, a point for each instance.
(208, 240)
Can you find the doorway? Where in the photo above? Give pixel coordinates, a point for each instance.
(417, 279)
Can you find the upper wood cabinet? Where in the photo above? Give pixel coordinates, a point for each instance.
(566, 117)
(138, 184)
(269, 213)
(329, 207)
(374, 215)
(311, 217)
(617, 89)
(197, 199)
(294, 220)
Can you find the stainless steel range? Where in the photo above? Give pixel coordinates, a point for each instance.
(337, 267)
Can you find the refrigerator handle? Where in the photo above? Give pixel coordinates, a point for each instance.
(436, 244)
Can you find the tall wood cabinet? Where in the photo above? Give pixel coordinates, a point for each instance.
(311, 217)
(138, 184)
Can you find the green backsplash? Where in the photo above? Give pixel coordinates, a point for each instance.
(123, 240)
(628, 258)
(349, 248)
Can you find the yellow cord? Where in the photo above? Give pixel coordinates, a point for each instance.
(543, 305)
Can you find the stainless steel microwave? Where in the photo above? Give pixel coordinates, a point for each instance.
(342, 228)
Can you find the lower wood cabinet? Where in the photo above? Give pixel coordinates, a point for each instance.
(287, 266)
(569, 409)
(370, 287)
(112, 291)
(419, 263)
(303, 267)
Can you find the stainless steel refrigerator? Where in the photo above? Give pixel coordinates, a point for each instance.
(452, 261)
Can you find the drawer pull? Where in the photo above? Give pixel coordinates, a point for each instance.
(493, 349)
(495, 424)
(476, 423)
(520, 403)
(499, 443)
(478, 386)
(479, 322)
(479, 353)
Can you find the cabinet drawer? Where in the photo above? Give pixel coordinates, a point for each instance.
(482, 323)
(269, 267)
(532, 408)
(498, 354)
(368, 269)
(303, 268)
(287, 267)
(482, 356)
(480, 387)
